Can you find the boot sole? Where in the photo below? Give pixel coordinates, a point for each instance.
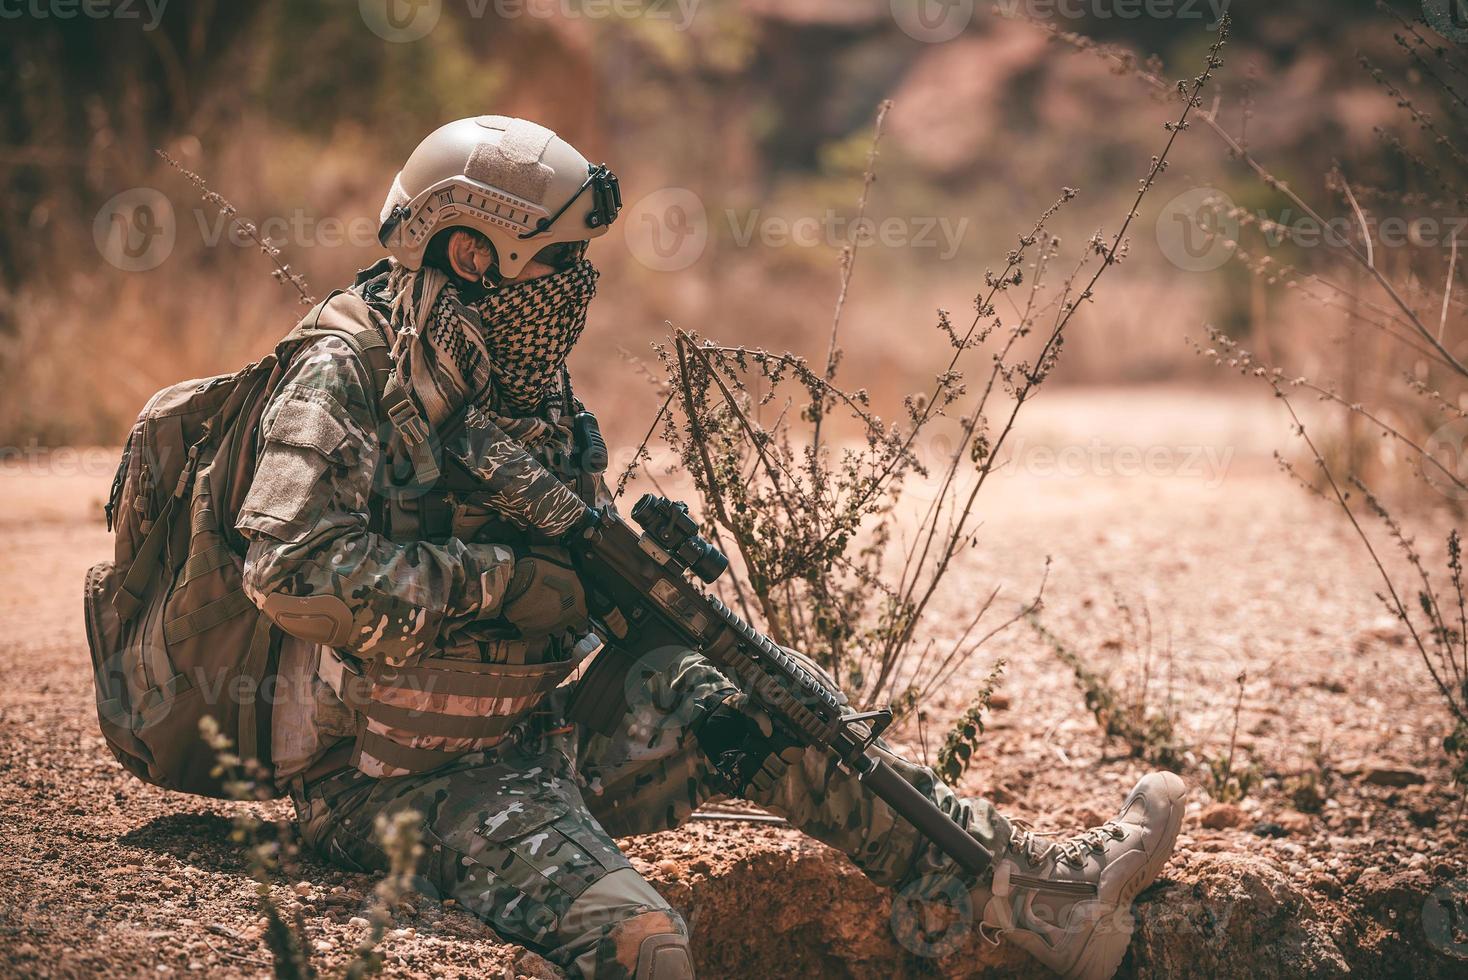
(1102, 954)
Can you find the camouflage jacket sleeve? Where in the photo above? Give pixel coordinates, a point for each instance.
(307, 517)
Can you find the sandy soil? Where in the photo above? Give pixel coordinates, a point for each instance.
(1238, 571)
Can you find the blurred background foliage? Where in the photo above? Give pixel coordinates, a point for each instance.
(762, 108)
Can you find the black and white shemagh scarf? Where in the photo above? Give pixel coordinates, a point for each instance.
(500, 353)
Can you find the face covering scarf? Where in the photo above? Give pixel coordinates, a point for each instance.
(500, 351)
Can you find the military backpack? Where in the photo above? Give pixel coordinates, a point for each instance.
(173, 636)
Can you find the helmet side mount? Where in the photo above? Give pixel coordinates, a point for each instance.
(606, 201)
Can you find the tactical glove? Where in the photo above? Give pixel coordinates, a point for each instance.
(544, 596)
(740, 740)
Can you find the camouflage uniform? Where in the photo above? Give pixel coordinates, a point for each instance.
(521, 834)
(517, 836)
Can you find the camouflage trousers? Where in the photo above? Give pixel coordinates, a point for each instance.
(524, 836)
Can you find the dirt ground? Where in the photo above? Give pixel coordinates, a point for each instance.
(1347, 856)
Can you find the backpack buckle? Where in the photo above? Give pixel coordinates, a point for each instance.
(413, 430)
(406, 420)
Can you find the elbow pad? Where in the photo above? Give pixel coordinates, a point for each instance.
(323, 619)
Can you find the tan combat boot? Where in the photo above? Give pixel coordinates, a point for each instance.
(1068, 903)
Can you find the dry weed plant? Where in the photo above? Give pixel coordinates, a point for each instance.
(1410, 387)
(398, 834)
(282, 272)
(1426, 326)
(1148, 731)
(242, 780)
(831, 562)
(1230, 778)
(957, 750)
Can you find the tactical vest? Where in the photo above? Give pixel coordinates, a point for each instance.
(469, 693)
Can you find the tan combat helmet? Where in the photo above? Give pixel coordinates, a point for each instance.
(516, 182)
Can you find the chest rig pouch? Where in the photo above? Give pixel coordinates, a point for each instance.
(468, 694)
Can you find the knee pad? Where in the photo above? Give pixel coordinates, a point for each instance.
(622, 927)
(664, 957)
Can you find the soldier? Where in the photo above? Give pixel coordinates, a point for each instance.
(428, 638)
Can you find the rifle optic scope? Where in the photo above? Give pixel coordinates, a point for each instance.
(667, 523)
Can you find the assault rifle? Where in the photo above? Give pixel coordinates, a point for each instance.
(646, 578)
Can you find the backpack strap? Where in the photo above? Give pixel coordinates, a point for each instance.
(350, 319)
(133, 589)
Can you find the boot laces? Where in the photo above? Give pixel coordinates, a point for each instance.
(1074, 850)
(1027, 841)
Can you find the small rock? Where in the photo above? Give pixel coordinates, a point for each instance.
(1266, 828)
(358, 921)
(668, 867)
(302, 888)
(1326, 884)
(529, 964)
(1221, 816)
(999, 701)
(1294, 821)
(323, 945)
(1422, 814)
(1383, 773)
